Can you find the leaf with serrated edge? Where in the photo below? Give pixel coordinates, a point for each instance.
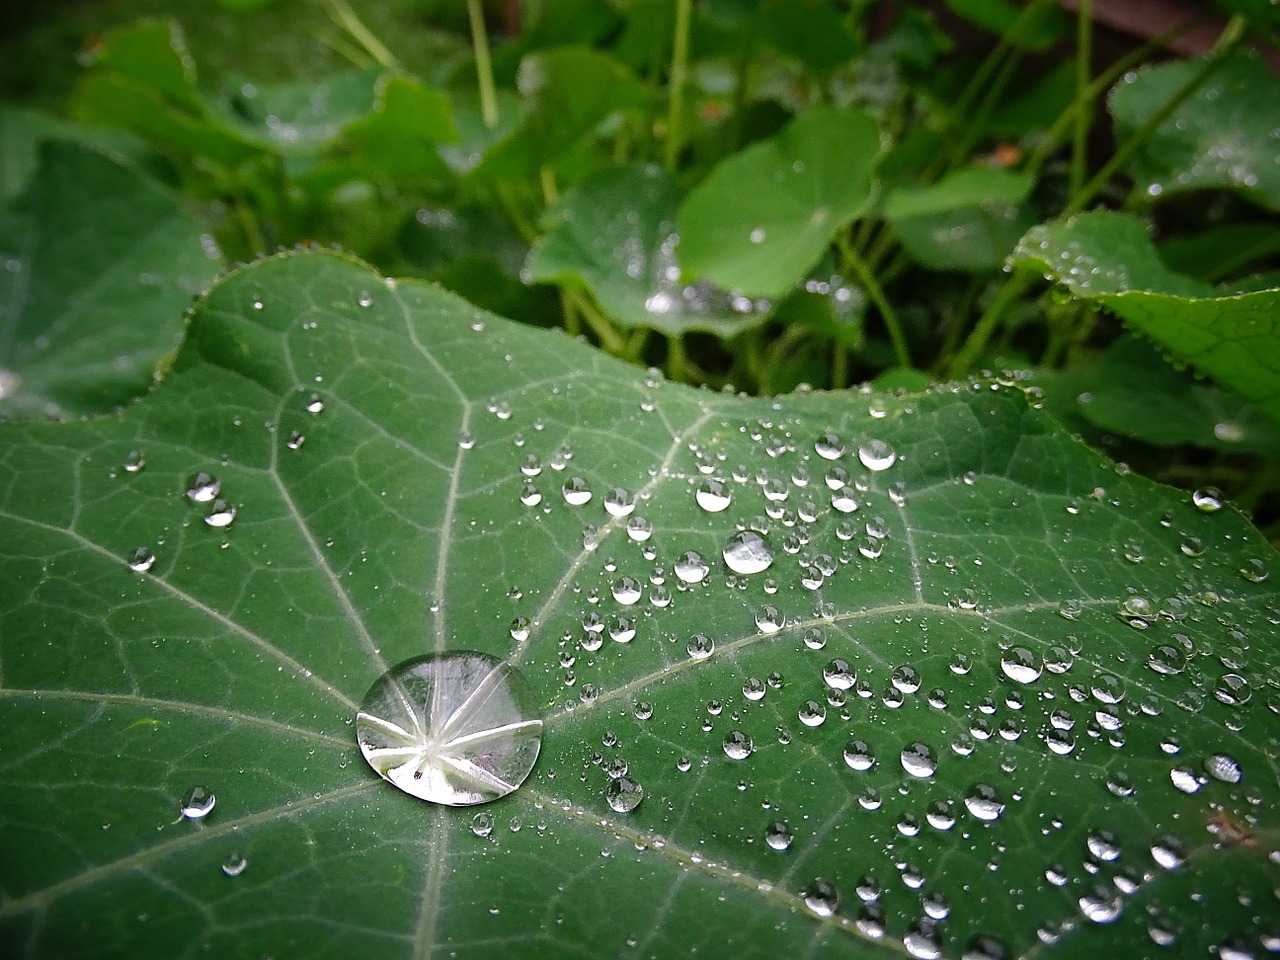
(238, 659)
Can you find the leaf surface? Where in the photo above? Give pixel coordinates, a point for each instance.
(1109, 258)
(376, 440)
(762, 218)
(101, 261)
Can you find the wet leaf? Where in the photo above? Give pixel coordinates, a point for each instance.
(1109, 258)
(99, 263)
(615, 234)
(762, 218)
(1223, 137)
(956, 652)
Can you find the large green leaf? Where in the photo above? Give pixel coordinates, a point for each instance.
(99, 263)
(615, 234)
(1223, 137)
(1109, 258)
(1062, 670)
(762, 218)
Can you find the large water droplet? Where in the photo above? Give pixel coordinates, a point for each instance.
(203, 488)
(738, 746)
(691, 568)
(457, 728)
(821, 897)
(141, 560)
(983, 801)
(198, 802)
(713, 495)
(623, 794)
(877, 455)
(747, 553)
(919, 760)
(1021, 665)
(778, 835)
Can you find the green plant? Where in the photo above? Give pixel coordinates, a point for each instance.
(973, 690)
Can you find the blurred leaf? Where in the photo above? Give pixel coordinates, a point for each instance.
(1109, 258)
(302, 117)
(1221, 252)
(567, 94)
(762, 218)
(100, 264)
(22, 130)
(969, 220)
(1037, 30)
(1259, 11)
(142, 80)
(1036, 105)
(1223, 137)
(615, 234)
(830, 307)
(398, 138)
(812, 31)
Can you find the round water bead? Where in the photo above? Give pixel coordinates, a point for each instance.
(456, 728)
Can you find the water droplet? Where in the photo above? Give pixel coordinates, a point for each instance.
(221, 514)
(829, 446)
(203, 488)
(919, 760)
(482, 824)
(458, 728)
(923, 941)
(877, 455)
(643, 710)
(576, 492)
(700, 646)
(838, 675)
(198, 803)
(1103, 844)
(623, 794)
(315, 404)
(983, 801)
(141, 559)
(746, 552)
(982, 947)
(1232, 689)
(770, 620)
(520, 629)
(1223, 767)
(134, 462)
(778, 835)
(234, 865)
(691, 568)
(1208, 499)
(1021, 665)
(859, 755)
(618, 502)
(821, 897)
(812, 713)
(1168, 851)
(1185, 779)
(626, 590)
(1101, 904)
(738, 746)
(713, 495)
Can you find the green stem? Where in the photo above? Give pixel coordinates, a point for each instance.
(347, 19)
(890, 316)
(977, 120)
(1084, 60)
(677, 360)
(679, 70)
(987, 325)
(1230, 39)
(249, 224)
(484, 65)
(547, 180)
(839, 366)
(572, 324)
(1100, 85)
(610, 337)
(522, 223)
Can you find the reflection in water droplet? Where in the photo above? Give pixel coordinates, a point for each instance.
(919, 760)
(983, 801)
(859, 755)
(458, 728)
(713, 495)
(738, 746)
(690, 567)
(1021, 665)
(199, 801)
(234, 865)
(746, 552)
(877, 455)
(1208, 499)
(220, 514)
(821, 897)
(700, 646)
(778, 835)
(141, 560)
(576, 492)
(623, 794)
(203, 488)
(482, 824)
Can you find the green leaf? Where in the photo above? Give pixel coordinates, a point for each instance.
(1035, 31)
(968, 220)
(143, 81)
(100, 262)
(812, 31)
(1223, 137)
(615, 234)
(990, 618)
(568, 93)
(300, 118)
(1221, 252)
(762, 218)
(1109, 258)
(23, 130)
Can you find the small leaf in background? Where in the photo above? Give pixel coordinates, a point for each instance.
(100, 262)
(968, 220)
(1223, 137)
(1035, 31)
(1134, 392)
(841, 669)
(399, 136)
(142, 80)
(1221, 252)
(22, 130)
(1110, 259)
(614, 233)
(297, 119)
(762, 218)
(567, 94)
(812, 31)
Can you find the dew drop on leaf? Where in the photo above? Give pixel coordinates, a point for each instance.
(203, 488)
(234, 865)
(141, 560)
(1021, 665)
(812, 713)
(458, 728)
(700, 646)
(746, 552)
(691, 568)
(1208, 499)
(821, 897)
(576, 492)
(859, 755)
(713, 495)
(983, 801)
(778, 835)
(738, 746)
(134, 462)
(623, 794)
(482, 824)
(877, 455)
(198, 803)
(221, 514)
(919, 760)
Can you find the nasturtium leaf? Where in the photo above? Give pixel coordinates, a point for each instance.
(1221, 252)
(399, 136)
(568, 93)
(142, 80)
(812, 31)
(615, 234)
(962, 660)
(300, 117)
(969, 220)
(22, 130)
(1109, 258)
(1035, 30)
(1223, 137)
(100, 262)
(762, 217)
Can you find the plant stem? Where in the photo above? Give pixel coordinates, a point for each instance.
(484, 65)
(347, 19)
(1080, 129)
(679, 69)
(874, 291)
(677, 360)
(839, 366)
(987, 324)
(547, 179)
(1230, 39)
(610, 337)
(249, 224)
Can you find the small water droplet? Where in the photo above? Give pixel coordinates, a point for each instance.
(234, 865)
(1021, 665)
(482, 824)
(134, 462)
(713, 495)
(198, 803)
(141, 559)
(778, 835)
(576, 491)
(221, 514)
(690, 567)
(700, 646)
(919, 760)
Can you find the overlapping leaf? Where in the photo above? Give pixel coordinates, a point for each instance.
(1057, 670)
